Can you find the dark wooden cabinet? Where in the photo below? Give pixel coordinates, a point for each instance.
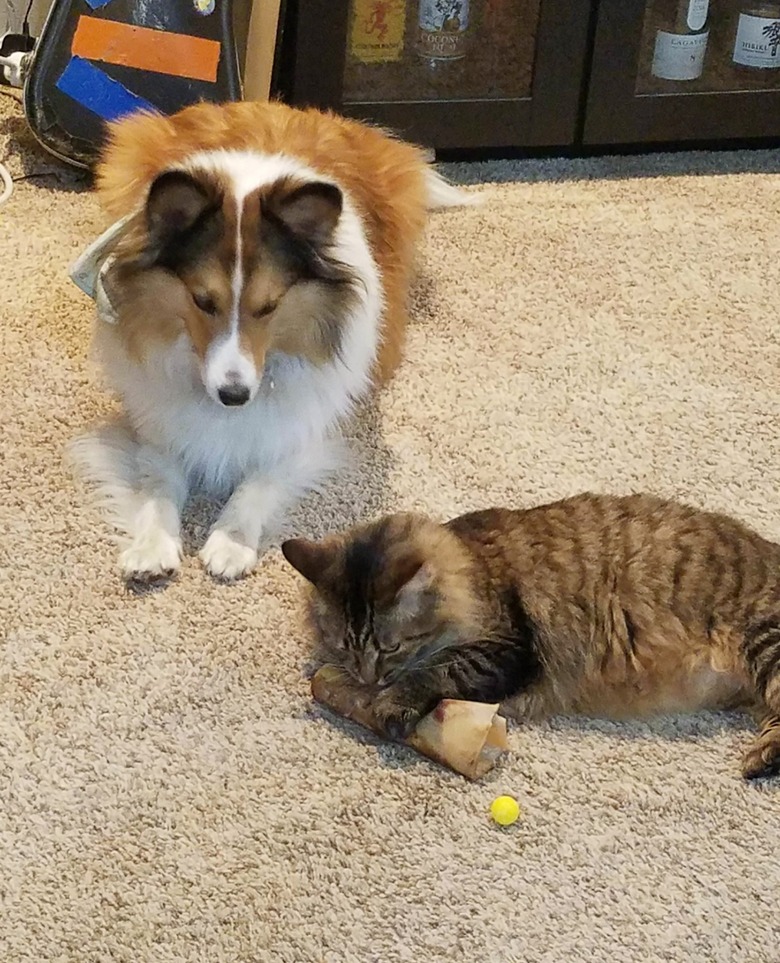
(573, 74)
(626, 103)
(518, 83)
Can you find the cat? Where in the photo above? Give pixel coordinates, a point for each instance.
(596, 605)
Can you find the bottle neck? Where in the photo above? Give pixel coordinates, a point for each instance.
(692, 16)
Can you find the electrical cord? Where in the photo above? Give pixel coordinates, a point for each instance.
(8, 184)
(5, 174)
(26, 21)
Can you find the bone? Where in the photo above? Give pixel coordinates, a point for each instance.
(467, 737)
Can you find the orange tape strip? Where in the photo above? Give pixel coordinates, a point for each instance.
(175, 54)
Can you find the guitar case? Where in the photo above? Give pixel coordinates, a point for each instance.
(97, 60)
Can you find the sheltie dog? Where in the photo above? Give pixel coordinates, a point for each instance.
(257, 289)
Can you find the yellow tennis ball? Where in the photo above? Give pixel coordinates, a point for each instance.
(505, 810)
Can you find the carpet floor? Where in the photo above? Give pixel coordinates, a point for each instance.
(168, 793)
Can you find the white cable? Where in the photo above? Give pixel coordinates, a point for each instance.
(8, 184)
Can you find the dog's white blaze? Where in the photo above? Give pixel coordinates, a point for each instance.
(226, 363)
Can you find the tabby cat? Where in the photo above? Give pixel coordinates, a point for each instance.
(598, 605)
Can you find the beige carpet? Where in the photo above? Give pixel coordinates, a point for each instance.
(167, 791)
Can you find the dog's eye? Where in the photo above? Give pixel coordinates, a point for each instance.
(265, 310)
(205, 303)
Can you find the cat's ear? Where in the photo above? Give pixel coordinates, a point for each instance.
(311, 559)
(414, 593)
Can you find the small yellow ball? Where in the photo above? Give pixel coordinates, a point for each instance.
(505, 810)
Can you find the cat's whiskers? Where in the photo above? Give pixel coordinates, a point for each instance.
(424, 660)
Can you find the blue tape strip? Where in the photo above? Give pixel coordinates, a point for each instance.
(95, 90)
(97, 4)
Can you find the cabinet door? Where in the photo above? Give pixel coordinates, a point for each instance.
(445, 73)
(684, 70)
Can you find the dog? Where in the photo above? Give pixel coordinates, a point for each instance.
(253, 290)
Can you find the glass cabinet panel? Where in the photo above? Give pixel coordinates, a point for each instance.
(418, 50)
(697, 46)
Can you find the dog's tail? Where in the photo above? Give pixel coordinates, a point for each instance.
(443, 194)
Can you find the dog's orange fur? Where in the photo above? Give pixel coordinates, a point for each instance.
(384, 177)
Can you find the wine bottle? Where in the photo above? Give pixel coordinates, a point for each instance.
(443, 26)
(681, 42)
(757, 41)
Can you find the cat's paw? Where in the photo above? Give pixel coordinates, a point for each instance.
(400, 727)
(226, 558)
(762, 759)
(152, 559)
(396, 720)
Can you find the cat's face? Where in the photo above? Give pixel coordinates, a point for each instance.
(383, 602)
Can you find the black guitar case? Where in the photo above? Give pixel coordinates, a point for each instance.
(97, 60)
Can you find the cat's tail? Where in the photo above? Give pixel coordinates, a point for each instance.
(762, 654)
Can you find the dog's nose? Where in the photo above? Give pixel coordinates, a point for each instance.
(233, 395)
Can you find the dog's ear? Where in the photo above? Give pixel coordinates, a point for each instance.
(179, 206)
(309, 211)
(312, 559)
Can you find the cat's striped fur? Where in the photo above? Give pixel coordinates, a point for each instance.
(599, 605)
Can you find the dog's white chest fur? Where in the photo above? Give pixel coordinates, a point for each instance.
(297, 407)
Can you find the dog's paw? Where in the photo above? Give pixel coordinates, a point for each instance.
(151, 560)
(225, 558)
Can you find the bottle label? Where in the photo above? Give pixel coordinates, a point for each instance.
(679, 56)
(446, 16)
(377, 34)
(697, 14)
(443, 25)
(758, 41)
